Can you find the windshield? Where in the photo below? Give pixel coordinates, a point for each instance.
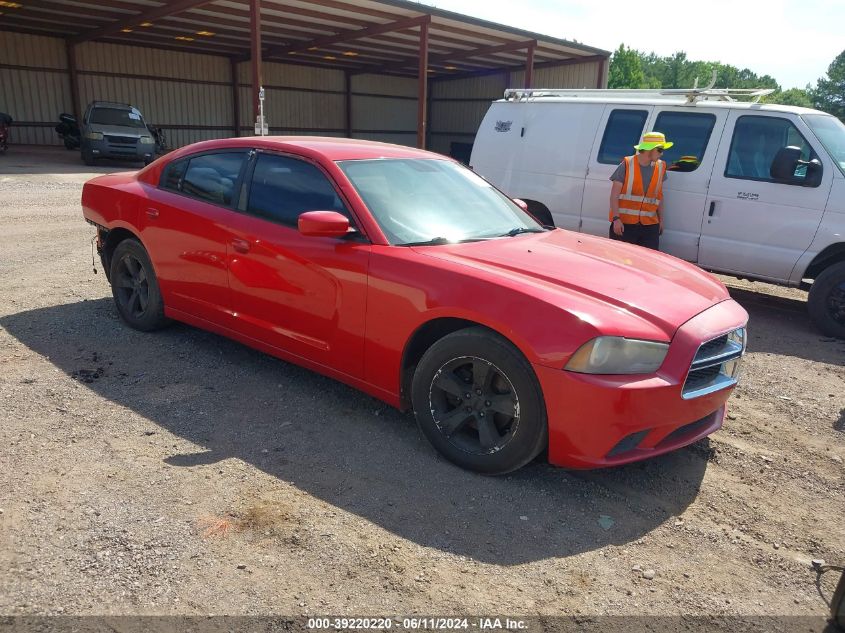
(831, 133)
(422, 200)
(116, 116)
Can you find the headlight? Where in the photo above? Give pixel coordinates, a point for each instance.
(94, 136)
(617, 355)
(146, 140)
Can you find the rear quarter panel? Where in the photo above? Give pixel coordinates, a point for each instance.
(112, 201)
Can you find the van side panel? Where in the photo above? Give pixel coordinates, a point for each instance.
(556, 149)
(831, 230)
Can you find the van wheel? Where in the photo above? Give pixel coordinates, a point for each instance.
(827, 301)
(478, 402)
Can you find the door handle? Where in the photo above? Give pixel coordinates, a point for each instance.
(152, 213)
(712, 208)
(241, 246)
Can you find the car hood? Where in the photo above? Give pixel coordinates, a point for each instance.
(654, 287)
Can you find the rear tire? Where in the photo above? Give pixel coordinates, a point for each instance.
(478, 402)
(135, 287)
(826, 302)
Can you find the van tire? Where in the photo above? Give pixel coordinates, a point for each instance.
(826, 302)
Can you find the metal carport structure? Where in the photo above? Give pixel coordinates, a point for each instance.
(392, 39)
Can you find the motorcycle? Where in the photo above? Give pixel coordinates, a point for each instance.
(5, 128)
(68, 130)
(159, 138)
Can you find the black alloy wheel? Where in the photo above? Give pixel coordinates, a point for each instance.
(135, 287)
(477, 400)
(474, 405)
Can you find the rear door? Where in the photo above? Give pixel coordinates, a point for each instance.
(620, 129)
(754, 224)
(695, 134)
(305, 295)
(182, 226)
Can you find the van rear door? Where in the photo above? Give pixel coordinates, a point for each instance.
(620, 128)
(497, 151)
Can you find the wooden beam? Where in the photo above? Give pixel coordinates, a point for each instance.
(236, 98)
(529, 66)
(164, 10)
(347, 36)
(255, 35)
(74, 79)
(422, 87)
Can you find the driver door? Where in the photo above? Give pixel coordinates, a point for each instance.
(753, 224)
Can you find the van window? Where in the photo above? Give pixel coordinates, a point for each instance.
(284, 188)
(623, 131)
(756, 141)
(212, 177)
(690, 132)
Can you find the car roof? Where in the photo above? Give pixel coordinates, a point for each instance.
(331, 148)
(111, 104)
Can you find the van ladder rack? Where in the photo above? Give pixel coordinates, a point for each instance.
(691, 95)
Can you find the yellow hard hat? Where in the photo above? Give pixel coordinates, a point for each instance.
(652, 140)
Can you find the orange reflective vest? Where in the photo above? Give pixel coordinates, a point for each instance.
(637, 206)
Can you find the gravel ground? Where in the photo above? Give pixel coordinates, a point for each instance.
(182, 473)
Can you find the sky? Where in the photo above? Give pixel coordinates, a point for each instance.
(793, 41)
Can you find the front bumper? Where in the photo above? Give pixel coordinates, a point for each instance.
(120, 148)
(596, 421)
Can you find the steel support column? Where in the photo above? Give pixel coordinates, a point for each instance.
(529, 67)
(347, 76)
(600, 81)
(255, 36)
(422, 90)
(236, 99)
(74, 79)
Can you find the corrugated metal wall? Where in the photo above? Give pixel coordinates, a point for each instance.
(459, 105)
(190, 95)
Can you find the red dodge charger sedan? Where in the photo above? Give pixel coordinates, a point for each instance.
(404, 274)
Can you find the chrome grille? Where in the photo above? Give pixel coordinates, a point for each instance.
(716, 364)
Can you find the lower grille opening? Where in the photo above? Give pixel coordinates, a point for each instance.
(628, 443)
(686, 431)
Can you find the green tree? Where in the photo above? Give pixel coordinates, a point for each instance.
(793, 97)
(625, 69)
(829, 94)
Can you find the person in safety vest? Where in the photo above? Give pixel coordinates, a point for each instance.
(636, 197)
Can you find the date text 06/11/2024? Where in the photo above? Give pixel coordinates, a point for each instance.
(416, 623)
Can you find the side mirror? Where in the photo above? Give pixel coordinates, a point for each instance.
(784, 164)
(837, 605)
(323, 224)
(522, 204)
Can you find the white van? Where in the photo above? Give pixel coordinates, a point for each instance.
(754, 190)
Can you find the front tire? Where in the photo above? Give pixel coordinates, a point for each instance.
(135, 287)
(826, 302)
(478, 402)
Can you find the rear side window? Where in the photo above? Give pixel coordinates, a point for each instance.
(623, 131)
(690, 132)
(172, 176)
(213, 177)
(284, 188)
(756, 140)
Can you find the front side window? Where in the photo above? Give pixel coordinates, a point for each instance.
(417, 200)
(284, 188)
(213, 177)
(116, 116)
(690, 132)
(171, 177)
(623, 131)
(756, 142)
